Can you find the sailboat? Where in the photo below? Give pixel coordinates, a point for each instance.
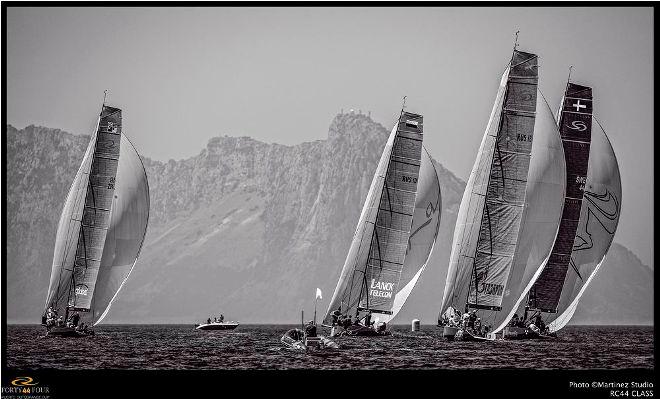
(100, 231)
(394, 236)
(510, 210)
(590, 217)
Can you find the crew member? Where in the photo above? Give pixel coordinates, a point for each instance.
(335, 316)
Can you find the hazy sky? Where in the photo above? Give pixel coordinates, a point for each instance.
(280, 75)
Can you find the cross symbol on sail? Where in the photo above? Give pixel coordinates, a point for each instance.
(577, 106)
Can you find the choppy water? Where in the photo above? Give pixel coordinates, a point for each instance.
(258, 347)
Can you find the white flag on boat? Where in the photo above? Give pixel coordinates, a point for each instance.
(318, 294)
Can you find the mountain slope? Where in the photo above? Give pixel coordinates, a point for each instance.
(248, 229)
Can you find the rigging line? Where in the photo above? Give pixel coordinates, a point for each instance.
(499, 155)
(380, 261)
(524, 61)
(490, 236)
(574, 266)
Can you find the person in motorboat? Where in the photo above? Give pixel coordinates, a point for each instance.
(222, 318)
(310, 329)
(208, 321)
(215, 319)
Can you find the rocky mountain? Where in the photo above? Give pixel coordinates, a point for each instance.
(249, 229)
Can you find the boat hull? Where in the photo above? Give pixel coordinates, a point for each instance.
(362, 331)
(449, 332)
(465, 335)
(295, 339)
(520, 333)
(67, 332)
(217, 326)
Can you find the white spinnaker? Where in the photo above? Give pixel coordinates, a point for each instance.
(424, 231)
(546, 189)
(359, 249)
(128, 225)
(599, 218)
(471, 209)
(68, 228)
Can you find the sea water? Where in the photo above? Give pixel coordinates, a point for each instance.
(259, 347)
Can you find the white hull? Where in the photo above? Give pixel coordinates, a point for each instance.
(229, 325)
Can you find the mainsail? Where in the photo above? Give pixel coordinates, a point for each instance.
(575, 129)
(511, 206)
(102, 225)
(397, 228)
(591, 211)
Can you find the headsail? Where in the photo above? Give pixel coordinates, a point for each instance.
(599, 218)
(102, 225)
(128, 226)
(371, 275)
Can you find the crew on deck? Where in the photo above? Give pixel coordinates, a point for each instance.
(51, 317)
(367, 319)
(73, 320)
(336, 316)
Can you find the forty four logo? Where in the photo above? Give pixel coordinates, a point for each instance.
(23, 382)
